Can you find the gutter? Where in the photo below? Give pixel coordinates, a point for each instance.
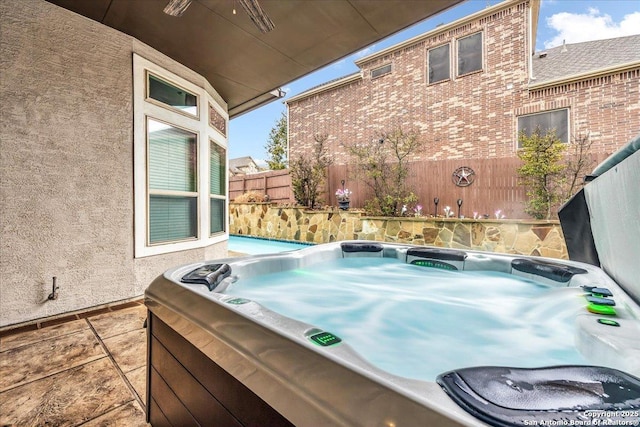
(322, 88)
(256, 102)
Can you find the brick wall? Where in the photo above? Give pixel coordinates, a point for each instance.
(473, 116)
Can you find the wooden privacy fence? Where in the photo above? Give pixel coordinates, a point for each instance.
(495, 186)
(275, 184)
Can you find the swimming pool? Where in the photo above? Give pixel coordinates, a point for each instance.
(257, 246)
(324, 354)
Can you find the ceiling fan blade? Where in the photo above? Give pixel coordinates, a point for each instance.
(176, 7)
(252, 7)
(257, 15)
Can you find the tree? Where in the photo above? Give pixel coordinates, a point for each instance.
(277, 144)
(308, 173)
(542, 171)
(579, 162)
(382, 163)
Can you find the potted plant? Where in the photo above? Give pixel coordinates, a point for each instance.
(343, 195)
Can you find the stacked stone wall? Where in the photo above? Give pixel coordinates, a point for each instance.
(536, 238)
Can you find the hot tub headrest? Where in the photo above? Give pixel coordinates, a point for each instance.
(361, 247)
(564, 395)
(209, 274)
(440, 254)
(550, 270)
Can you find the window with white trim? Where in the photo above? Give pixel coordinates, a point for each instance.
(556, 120)
(180, 163)
(172, 155)
(218, 187)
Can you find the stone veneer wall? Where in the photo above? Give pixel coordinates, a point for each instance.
(525, 237)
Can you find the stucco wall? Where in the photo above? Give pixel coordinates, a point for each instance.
(524, 237)
(66, 198)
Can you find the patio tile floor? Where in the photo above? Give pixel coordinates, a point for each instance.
(89, 370)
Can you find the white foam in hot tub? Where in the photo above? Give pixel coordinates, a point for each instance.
(418, 322)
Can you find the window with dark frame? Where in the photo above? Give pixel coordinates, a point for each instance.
(557, 120)
(470, 54)
(439, 64)
(381, 71)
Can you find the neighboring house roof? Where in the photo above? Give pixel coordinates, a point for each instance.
(242, 164)
(242, 161)
(585, 58)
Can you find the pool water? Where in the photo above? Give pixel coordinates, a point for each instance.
(253, 246)
(418, 322)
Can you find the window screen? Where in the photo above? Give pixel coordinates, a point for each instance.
(439, 65)
(470, 54)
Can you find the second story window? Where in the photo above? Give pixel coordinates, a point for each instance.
(438, 64)
(381, 71)
(470, 54)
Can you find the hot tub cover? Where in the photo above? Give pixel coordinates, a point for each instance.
(560, 395)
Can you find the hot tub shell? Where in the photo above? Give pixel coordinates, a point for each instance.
(273, 360)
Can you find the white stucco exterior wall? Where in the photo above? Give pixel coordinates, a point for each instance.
(66, 163)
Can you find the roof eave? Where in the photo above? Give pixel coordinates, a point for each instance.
(440, 29)
(323, 88)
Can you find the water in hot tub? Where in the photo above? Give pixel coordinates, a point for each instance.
(418, 322)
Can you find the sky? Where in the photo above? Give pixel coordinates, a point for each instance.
(571, 20)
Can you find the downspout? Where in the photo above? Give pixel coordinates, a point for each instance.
(287, 106)
(530, 51)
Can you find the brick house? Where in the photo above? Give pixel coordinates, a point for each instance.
(469, 87)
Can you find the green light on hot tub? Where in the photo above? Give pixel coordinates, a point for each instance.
(325, 339)
(601, 309)
(433, 264)
(238, 301)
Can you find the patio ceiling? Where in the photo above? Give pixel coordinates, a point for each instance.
(242, 63)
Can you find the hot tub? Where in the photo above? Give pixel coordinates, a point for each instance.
(222, 351)
(203, 316)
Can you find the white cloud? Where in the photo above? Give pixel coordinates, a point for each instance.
(582, 27)
(364, 52)
(339, 64)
